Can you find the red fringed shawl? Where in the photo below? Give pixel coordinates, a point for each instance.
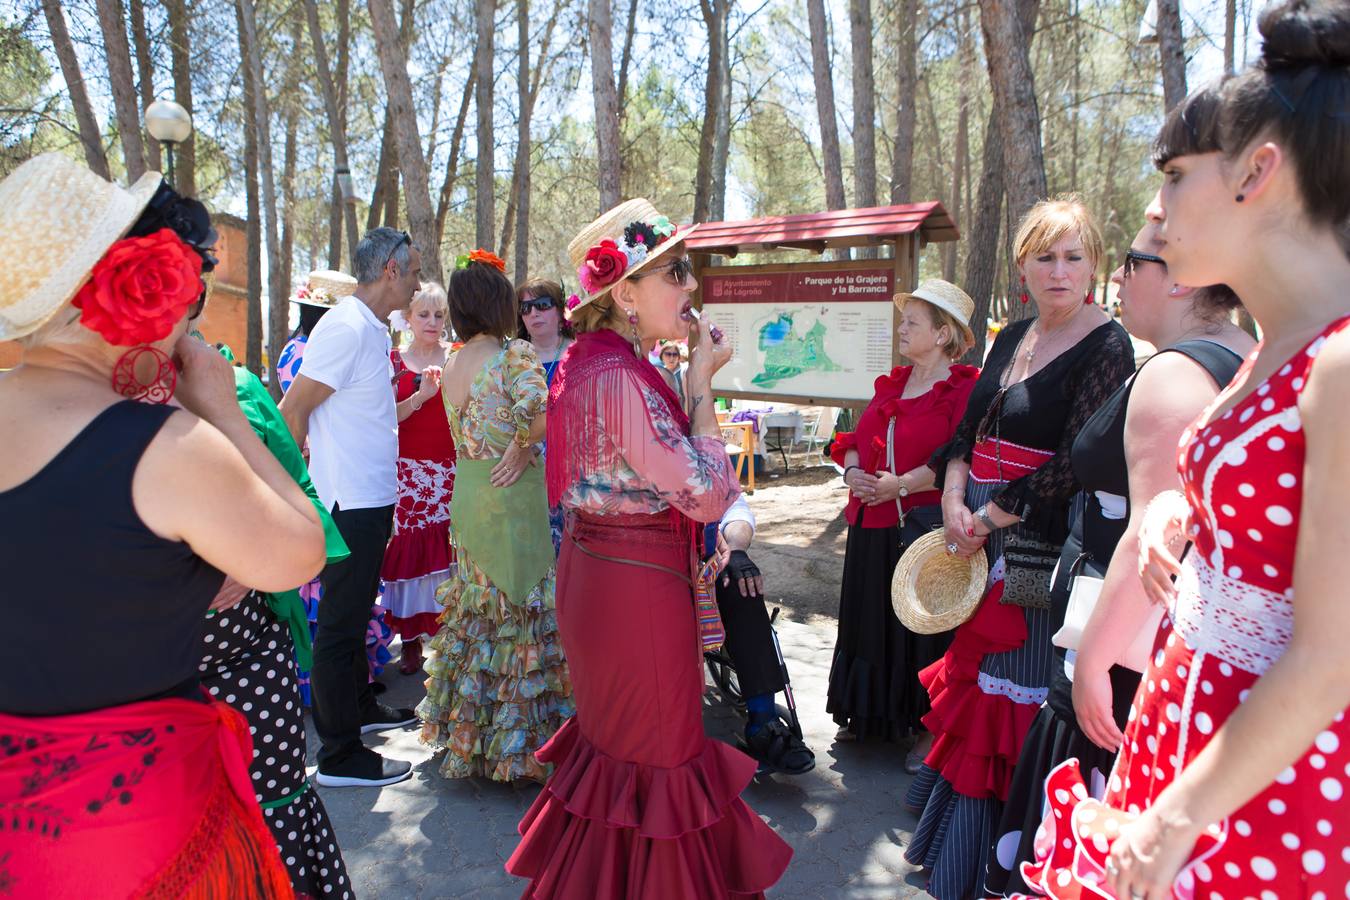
(151, 799)
(588, 392)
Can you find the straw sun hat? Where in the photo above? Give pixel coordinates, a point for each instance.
(933, 590)
(947, 297)
(59, 219)
(633, 232)
(324, 287)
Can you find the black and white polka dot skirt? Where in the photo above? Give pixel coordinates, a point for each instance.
(248, 661)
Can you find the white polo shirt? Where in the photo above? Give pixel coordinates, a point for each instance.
(353, 435)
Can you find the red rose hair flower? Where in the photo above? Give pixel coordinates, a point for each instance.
(140, 289)
(605, 264)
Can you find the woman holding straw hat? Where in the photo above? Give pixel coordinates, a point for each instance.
(497, 688)
(1007, 483)
(641, 803)
(126, 778)
(1124, 456)
(893, 498)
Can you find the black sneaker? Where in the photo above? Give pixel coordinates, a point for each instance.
(365, 768)
(777, 749)
(386, 718)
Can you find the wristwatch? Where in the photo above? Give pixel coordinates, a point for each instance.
(983, 515)
(903, 491)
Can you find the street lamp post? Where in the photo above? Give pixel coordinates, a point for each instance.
(168, 123)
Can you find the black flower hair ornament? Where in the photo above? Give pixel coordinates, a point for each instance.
(640, 233)
(185, 216)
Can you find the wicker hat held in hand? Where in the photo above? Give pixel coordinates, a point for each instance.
(619, 244)
(933, 590)
(947, 297)
(59, 219)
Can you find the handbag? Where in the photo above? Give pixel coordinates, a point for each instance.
(1084, 591)
(1027, 565)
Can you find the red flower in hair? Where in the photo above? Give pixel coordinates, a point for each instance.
(488, 257)
(606, 264)
(140, 289)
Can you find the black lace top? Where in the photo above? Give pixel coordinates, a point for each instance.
(1045, 411)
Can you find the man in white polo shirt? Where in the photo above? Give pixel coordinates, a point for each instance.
(343, 402)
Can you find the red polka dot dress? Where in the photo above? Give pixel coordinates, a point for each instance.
(1232, 619)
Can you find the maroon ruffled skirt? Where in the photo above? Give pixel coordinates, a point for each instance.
(641, 803)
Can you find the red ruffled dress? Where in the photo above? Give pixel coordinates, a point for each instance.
(1232, 619)
(419, 556)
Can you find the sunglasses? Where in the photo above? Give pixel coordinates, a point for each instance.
(1134, 257)
(405, 239)
(537, 304)
(674, 353)
(680, 270)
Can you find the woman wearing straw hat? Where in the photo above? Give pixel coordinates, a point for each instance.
(641, 803)
(1007, 483)
(497, 688)
(874, 686)
(1124, 456)
(125, 777)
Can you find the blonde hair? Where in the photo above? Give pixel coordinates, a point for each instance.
(601, 312)
(1050, 221)
(956, 345)
(430, 292)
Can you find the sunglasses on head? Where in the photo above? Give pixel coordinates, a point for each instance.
(405, 239)
(536, 304)
(679, 271)
(1134, 257)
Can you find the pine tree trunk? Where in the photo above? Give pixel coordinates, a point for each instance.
(522, 179)
(907, 83)
(253, 222)
(292, 106)
(485, 175)
(145, 72)
(829, 127)
(714, 18)
(722, 132)
(180, 54)
(626, 57)
(608, 161)
(983, 235)
(332, 101)
(864, 107)
(452, 165)
(1172, 52)
(1229, 35)
(91, 138)
(1007, 54)
(277, 294)
(111, 20)
(416, 192)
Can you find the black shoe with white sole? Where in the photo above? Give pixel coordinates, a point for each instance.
(385, 718)
(365, 768)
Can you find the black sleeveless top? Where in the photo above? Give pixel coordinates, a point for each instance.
(83, 573)
(1098, 458)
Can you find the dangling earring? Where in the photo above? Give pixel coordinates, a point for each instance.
(1025, 298)
(633, 324)
(158, 388)
(1087, 298)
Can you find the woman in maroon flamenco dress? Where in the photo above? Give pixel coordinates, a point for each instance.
(1232, 776)
(641, 803)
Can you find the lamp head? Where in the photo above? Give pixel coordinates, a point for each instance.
(168, 122)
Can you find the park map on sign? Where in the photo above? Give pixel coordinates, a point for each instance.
(809, 331)
(788, 354)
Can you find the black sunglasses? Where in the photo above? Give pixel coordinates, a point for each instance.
(405, 239)
(537, 304)
(1134, 257)
(674, 353)
(679, 270)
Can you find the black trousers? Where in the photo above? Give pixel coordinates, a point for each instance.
(749, 641)
(340, 680)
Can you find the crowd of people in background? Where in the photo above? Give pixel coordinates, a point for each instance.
(1144, 698)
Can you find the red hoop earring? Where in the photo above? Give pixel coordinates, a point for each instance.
(1025, 298)
(158, 388)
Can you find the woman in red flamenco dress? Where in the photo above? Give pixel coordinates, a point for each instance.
(641, 804)
(1232, 777)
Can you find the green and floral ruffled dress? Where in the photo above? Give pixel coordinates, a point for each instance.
(498, 686)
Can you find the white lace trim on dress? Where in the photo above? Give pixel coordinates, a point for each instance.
(1244, 625)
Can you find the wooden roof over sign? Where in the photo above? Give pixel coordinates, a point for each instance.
(824, 230)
